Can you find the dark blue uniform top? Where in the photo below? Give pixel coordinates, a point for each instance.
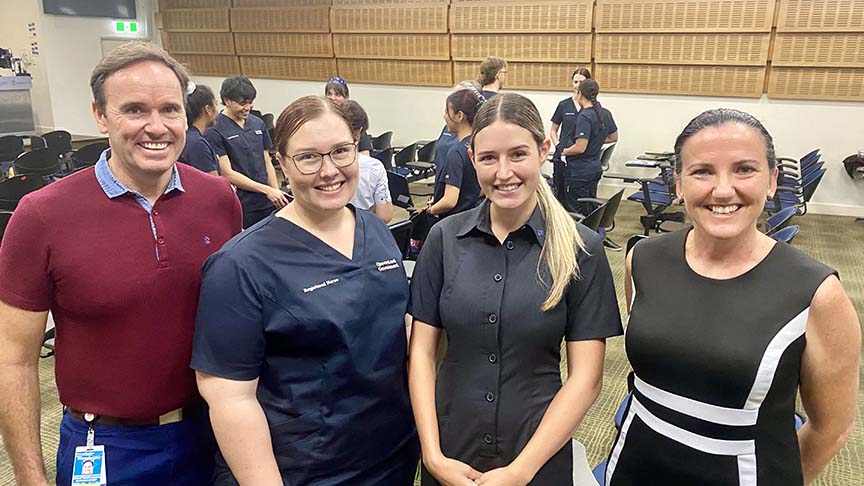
(198, 152)
(565, 117)
(458, 171)
(280, 305)
(489, 94)
(445, 141)
(245, 149)
(588, 126)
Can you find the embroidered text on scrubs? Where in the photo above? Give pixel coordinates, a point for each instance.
(386, 265)
(315, 287)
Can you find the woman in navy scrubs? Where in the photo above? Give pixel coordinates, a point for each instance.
(594, 127)
(507, 281)
(563, 122)
(456, 187)
(304, 373)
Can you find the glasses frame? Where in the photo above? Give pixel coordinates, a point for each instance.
(325, 154)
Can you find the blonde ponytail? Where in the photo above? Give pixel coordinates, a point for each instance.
(561, 247)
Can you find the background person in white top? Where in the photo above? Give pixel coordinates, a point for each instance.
(373, 192)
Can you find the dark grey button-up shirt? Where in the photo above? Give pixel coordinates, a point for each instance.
(501, 369)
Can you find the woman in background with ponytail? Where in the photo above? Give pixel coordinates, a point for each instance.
(507, 281)
(456, 187)
(594, 127)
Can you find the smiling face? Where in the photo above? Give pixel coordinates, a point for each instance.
(239, 110)
(332, 187)
(507, 161)
(725, 180)
(144, 119)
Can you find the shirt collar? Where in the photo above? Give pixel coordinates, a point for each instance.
(114, 188)
(480, 221)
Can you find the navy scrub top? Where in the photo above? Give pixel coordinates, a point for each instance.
(501, 368)
(198, 152)
(458, 171)
(280, 305)
(565, 116)
(588, 126)
(245, 149)
(442, 147)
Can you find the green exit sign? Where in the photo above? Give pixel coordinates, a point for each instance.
(123, 26)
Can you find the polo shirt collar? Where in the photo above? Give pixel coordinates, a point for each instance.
(114, 188)
(480, 221)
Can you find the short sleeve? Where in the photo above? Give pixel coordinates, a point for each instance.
(453, 169)
(382, 187)
(25, 266)
(428, 279)
(216, 141)
(611, 125)
(558, 116)
(202, 156)
(229, 339)
(582, 128)
(266, 137)
(365, 143)
(592, 305)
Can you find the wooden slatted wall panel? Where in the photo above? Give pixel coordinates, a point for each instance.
(296, 68)
(817, 83)
(684, 15)
(297, 19)
(198, 42)
(393, 46)
(735, 81)
(284, 44)
(707, 49)
(281, 3)
(544, 76)
(195, 20)
(202, 65)
(388, 71)
(171, 4)
(566, 48)
(825, 50)
(395, 19)
(343, 3)
(508, 17)
(821, 16)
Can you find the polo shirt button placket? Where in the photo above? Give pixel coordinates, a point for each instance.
(498, 277)
(509, 245)
(493, 318)
(487, 438)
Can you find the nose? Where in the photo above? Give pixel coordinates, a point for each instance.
(155, 125)
(328, 168)
(724, 188)
(504, 170)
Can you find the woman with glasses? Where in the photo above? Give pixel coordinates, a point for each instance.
(305, 375)
(337, 90)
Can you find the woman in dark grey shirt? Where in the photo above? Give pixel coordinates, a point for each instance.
(507, 281)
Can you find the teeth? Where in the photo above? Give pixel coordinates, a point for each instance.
(724, 209)
(331, 187)
(154, 145)
(508, 187)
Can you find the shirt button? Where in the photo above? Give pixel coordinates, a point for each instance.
(493, 318)
(490, 397)
(509, 245)
(161, 241)
(155, 213)
(493, 358)
(498, 277)
(487, 438)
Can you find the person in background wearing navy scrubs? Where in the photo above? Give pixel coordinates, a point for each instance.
(201, 114)
(594, 127)
(564, 119)
(305, 375)
(242, 143)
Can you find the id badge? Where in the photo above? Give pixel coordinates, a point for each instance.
(89, 466)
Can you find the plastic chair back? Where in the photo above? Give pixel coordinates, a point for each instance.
(37, 142)
(405, 155)
(592, 221)
(632, 242)
(14, 188)
(88, 155)
(42, 162)
(59, 140)
(256, 113)
(382, 141)
(385, 156)
(402, 234)
(426, 153)
(608, 221)
(606, 156)
(400, 193)
(786, 234)
(267, 118)
(810, 183)
(780, 219)
(11, 146)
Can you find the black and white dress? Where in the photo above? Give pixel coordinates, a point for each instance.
(717, 366)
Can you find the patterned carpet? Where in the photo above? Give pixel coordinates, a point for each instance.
(836, 241)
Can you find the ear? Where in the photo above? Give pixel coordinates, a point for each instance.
(283, 164)
(545, 147)
(678, 186)
(101, 121)
(772, 184)
(471, 155)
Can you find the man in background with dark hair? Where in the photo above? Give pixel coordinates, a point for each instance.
(115, 253)
(242, 143)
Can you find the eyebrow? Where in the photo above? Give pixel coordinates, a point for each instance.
(313, 149)
(523, 146)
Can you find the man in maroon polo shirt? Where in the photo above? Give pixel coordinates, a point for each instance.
(115, 252)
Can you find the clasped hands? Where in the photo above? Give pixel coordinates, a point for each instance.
(450, 472)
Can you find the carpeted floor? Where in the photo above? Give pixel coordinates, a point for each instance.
(836, 241)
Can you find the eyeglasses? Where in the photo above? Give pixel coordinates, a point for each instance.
(308, 163)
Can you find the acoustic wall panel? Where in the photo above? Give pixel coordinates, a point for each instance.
(567, 48)
(734, 81)
(825, 50)
(393, 46)
(388, 71)
(817, 83)
(198, 42)
(297, 19)
(283, 44)
(295, 68)
(710, 49)
(821, 16)
(395, 19)
(525, 75)
(511, 17)
(684, 16)
(204, 65)
(195, 20)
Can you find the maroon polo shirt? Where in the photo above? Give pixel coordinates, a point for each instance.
(123, 292)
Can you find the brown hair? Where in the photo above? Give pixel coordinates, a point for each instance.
(489, 68)
(301, 111)
(126, 55)
(563, 242)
